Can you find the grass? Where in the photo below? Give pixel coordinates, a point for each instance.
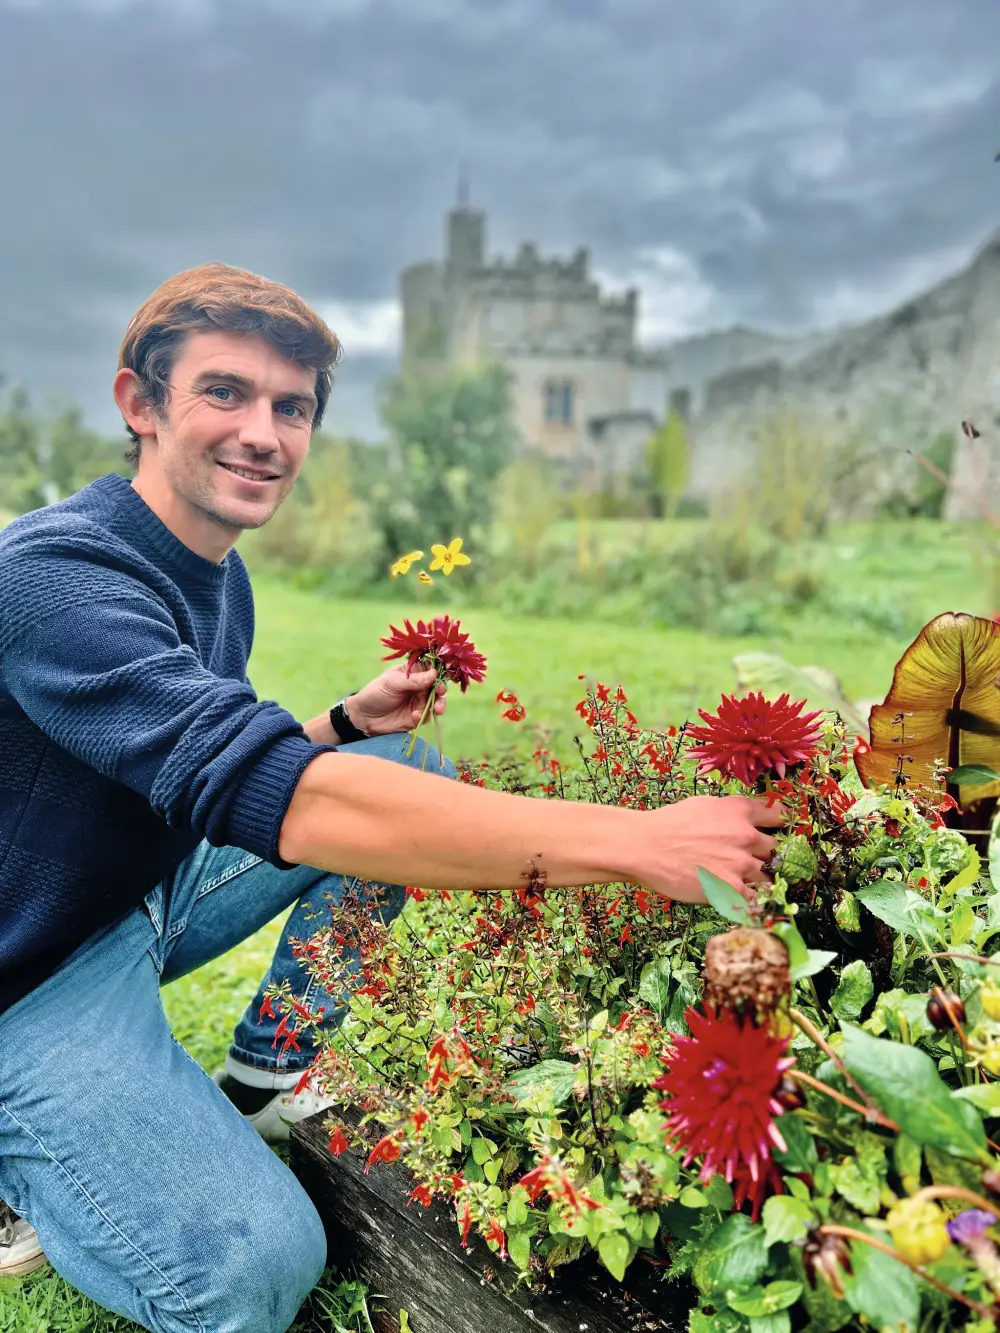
(309, 651)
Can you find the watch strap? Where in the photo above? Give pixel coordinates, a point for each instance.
(341, 722)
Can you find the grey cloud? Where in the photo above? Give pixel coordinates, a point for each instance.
(786, 150)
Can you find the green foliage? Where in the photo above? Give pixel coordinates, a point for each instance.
(452, 434)
(47, 456)
(668, 461)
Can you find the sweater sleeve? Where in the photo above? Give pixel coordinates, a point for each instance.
(110, 680)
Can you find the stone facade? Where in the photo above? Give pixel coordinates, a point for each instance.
(585, 394)
(588, 396)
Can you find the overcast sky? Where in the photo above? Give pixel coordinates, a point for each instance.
(784, 163)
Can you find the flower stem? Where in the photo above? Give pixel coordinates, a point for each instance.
(817, 1038)
(870, 1113)
(851, 1233)
(955, 1192)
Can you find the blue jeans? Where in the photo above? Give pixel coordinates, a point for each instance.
(149, 1191)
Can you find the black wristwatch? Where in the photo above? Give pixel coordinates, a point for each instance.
(341, 722)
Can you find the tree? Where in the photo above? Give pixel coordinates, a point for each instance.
(668, 458)
(46, 457)
(451, 435)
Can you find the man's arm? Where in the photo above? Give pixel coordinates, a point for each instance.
(363, 816)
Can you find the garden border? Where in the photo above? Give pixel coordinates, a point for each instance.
(412, 1258)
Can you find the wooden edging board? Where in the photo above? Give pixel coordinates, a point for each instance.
(412, 1259)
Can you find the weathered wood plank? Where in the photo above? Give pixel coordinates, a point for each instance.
(412, 1259)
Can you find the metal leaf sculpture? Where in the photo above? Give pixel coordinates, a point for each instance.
(944, 706)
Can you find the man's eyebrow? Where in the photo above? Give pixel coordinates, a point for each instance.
(238, 381)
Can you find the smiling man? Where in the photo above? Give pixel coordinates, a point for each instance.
(154, 812)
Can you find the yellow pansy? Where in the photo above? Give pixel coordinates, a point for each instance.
(402, 565)
(447, 557)
(424, 577)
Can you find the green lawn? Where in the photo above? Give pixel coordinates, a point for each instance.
(309, 651)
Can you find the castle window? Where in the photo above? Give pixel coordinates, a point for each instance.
(559, 401)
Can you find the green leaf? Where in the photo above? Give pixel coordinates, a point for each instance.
(519, 1249)
(771, 1323)
(904, 1084)
(965, 878)
(767, 1300)
(984, 1097)
(816, 960)
(854, 989)
(786, 1219)
(963, 922)
(548, 1083)
(882, 1289)
(894, 904)
(993, 855)
(723, 897)
(614, 1253)
(482, 1151)
(733, 1257)
(654, 984)
(692, 1197)
(860, 1178)
(800, 1147)
(972, 775)
(517, 1207)
(719, 1193)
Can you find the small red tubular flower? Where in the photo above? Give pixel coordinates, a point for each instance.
(338, 1141)
(386, 1150)
(442, 644)
(422, 1194)
(497, 1234)
(721, 1084)
(748, 737)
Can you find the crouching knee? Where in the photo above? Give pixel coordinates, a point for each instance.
(262, 1277)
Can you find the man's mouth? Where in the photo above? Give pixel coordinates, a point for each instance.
(249, 474)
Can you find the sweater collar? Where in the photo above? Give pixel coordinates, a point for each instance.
(157, 537)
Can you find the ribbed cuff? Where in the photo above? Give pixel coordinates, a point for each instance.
(265, 792)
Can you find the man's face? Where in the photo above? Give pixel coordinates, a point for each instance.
(236, 407)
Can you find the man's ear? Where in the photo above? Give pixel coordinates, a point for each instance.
(138, 412)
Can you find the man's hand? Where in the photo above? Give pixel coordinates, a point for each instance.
(395, 701)
(720, 833)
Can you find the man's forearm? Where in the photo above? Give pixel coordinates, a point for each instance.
(362, 816)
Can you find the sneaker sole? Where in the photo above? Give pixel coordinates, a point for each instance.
(24, 1266)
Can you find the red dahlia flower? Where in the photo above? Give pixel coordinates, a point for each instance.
(443, 645)
(721, 1106)
(751, 736)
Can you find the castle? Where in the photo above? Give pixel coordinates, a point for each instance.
(585, 394)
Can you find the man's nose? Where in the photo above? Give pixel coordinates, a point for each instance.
(257, 427)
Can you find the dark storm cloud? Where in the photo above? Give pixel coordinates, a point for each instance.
(773, 161)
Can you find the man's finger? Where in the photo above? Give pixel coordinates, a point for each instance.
(764, 812)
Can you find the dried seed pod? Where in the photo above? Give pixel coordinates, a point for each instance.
(944, 1009)
(826, 1257)
(746, 967)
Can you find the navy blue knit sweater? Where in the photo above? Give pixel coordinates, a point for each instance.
(128, 729)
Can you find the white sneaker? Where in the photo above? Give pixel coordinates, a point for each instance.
(273, 1122)
(20, 1252)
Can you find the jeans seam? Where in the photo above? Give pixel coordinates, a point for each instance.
(80, 1189)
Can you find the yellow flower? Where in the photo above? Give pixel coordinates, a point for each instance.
(990, 996)
(402, 565)
(424, 577)
(447, 557)
(919, 1231)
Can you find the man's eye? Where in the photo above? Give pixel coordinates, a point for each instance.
(290, 409)
(218, 389)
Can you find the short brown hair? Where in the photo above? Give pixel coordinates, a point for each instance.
(218, 297)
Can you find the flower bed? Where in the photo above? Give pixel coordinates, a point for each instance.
(782, 1104)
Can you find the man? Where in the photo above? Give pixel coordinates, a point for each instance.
(154, 812)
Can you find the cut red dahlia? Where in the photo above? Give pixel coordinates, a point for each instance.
(751, 736)
(721, 1106)
(441, 644)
